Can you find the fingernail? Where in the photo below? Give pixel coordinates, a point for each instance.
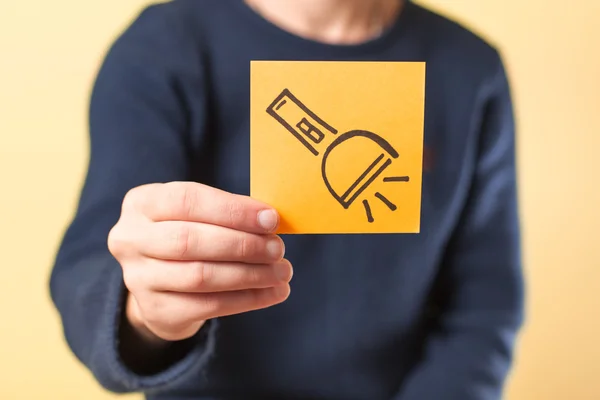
(275, 248)
(284, 271)
(268, 220)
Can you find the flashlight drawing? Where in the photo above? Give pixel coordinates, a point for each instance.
(310, 130)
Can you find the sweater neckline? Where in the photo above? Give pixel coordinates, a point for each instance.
(291, 40)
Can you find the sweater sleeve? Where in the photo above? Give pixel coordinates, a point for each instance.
(468, 355)
(140, 132)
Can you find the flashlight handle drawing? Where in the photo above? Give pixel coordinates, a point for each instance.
(299, 120)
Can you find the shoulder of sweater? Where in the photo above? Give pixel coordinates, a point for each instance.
(167, 33)
(455, 41)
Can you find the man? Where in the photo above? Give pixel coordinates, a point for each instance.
(191, 297)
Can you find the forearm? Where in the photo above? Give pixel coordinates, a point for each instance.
(87, 293)
(138, 135)
(89, 296)
(466, 359)
(481, 298)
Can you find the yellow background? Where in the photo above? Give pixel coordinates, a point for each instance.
(288, 176)
(49, 54)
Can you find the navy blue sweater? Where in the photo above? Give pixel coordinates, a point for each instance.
(431, 316)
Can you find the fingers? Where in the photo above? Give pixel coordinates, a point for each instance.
(206, 277)
(169, 314)
(176, 240)
(190, 253)
(189, 201)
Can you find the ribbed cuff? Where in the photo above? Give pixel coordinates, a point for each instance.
(114, 375)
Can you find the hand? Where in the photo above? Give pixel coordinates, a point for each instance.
(190, 253)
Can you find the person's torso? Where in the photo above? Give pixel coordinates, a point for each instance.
(360, 306)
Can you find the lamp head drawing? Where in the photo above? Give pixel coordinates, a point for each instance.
(363, 147)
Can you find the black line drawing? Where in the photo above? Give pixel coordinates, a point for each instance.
(310, 130)
(310, 126)
(396, 179)
(368, 175)
(385, 201)
(368, 211)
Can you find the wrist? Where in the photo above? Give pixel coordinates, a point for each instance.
(142, 351)
(137, 326)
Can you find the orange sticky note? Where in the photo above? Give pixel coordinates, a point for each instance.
(337, 147)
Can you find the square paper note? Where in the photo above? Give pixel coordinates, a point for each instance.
(337, 147)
